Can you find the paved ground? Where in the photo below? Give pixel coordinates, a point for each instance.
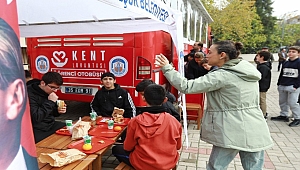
(284, 155)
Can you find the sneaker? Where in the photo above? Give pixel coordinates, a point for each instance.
(280, 118)
(266, 118)
(295, 123)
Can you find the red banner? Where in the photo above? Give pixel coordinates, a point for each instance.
(16, 136)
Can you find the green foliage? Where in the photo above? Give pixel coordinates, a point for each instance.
(264, 10)
(237, 21)
(290, 32)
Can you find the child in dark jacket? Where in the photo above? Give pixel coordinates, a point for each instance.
(168, 104)
(264, 67)
(153, 137)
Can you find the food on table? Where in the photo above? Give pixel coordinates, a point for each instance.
(101, 141)
(117, 128)
(63, 130)
(87, 147)
(118, 115)
(62, 154)
(60, 104)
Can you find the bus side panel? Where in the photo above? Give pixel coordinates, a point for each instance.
(82, 66)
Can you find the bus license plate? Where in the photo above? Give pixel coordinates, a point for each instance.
(78, 90)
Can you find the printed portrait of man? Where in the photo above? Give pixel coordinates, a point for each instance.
(13, 99)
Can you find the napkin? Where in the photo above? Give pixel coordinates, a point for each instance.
(61, 158)
(80, 130)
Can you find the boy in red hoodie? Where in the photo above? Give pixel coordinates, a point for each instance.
(153, 137)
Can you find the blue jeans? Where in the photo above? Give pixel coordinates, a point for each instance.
(221, 157)
(288, 98)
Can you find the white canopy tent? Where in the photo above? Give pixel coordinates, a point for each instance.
(75, 17)
(71, 17)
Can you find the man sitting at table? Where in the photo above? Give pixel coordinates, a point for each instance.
(112, 95)
(153, 137)
(43, 106)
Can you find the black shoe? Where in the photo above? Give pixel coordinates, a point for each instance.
(280, 118)
(295, 123)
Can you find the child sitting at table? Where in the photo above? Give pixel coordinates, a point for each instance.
(153, 137)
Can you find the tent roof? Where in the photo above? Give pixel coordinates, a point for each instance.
(69, 17)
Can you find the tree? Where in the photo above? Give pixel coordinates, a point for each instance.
(291, 34)
(236, 20)
(264, 10)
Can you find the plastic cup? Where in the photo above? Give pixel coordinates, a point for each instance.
(110, 124)
(87, 139)
(93, 116)
(69, 124)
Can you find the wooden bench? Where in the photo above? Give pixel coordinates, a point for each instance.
(195, 107)
(123, 166)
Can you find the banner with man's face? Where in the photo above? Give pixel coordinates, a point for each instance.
(16, 137)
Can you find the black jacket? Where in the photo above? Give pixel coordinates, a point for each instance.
(265, 81)
(42, 110)
(195, 71)
(192, 52)
(105, 101)
(32, 81)
(289, 74)
(168, 107)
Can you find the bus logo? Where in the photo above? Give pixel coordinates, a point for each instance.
(118, 65)
(42, 64)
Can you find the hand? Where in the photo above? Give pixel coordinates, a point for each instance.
(53, 97)
(62, 110)
(161, 60)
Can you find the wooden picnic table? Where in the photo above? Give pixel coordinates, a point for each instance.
(61, 142)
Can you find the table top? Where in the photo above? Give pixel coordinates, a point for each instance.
(60, 142)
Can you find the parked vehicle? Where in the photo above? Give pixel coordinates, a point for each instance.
(82, 59)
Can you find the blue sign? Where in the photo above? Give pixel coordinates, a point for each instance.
(118, 65)
(42, 64)
(149, 6)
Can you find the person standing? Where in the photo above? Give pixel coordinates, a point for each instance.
(289, 88)
(195, 68)
(197, 47)
(271, 60)
(233, 121)
(282, 58)
(43, 105)
(264, 67)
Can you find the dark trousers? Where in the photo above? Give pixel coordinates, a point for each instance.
(40, 135)
(122, 155)
(279, 64)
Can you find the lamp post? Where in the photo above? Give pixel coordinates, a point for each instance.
(284, 18)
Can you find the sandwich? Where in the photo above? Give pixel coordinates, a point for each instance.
(60, 104)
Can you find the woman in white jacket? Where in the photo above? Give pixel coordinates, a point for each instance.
(233, 121)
